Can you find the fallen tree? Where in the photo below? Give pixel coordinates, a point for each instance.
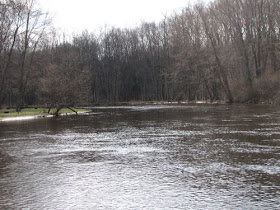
(58, 108)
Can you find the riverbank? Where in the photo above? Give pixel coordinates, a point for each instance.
(33, 113)
(10, 114)
(140, 103)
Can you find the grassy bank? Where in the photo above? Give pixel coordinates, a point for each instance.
(33, 112)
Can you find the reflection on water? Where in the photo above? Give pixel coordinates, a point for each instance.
(144, 157)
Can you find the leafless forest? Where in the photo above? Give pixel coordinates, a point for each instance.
(228, 50)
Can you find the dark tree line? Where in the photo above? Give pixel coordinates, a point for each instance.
(22, 28)
(228, 50)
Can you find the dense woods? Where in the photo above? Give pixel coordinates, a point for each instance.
(227, 50)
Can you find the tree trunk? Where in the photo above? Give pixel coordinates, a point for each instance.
(73, 110)
(56, 113)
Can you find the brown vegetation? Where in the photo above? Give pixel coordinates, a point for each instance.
(228, 50)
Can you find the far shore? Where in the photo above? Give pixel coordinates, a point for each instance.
(139, 103)
(37, 113)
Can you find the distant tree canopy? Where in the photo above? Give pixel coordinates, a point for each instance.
(227, 50)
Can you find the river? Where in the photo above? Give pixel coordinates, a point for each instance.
(144, 157)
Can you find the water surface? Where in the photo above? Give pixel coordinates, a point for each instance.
(144, 157)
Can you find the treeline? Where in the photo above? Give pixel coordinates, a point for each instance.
(228, 50)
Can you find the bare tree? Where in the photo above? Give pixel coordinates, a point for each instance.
(66, 80)
(10, 13)
(34, 23)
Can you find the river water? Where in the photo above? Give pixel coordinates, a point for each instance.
(144, 157)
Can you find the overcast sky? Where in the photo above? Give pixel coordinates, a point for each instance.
(77, 15)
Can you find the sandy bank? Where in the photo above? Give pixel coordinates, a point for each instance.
(24, 118)
(7, 119)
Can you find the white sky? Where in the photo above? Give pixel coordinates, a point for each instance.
(77, 15)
